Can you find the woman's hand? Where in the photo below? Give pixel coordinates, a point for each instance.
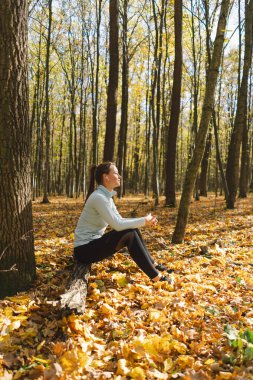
(151, 220)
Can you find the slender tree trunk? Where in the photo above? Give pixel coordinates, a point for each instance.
(148, 128)
(136, 155)
(201, 183)
(113, 82)
(124, 99)
(204, 167)
(232, 170)
(47, 110)
(17, 261)
(245, 159)
(83, 104)
(193, 167)
(251, 181)
(95, 96)
(218, 156)
(170, 187)
(251, 137)
(155, 176)
(59, 185)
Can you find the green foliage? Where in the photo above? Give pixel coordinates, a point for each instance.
(241, 343)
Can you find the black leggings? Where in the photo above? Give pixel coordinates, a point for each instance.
(111, 242)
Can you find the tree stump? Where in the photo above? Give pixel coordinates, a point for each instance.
(75, 294)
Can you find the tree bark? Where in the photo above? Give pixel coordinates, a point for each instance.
(113, 82)
(47, 111)
(170, 186)
(95, 87)
(218, 156)
(204, 167)
(17, 261)
(245, 163)
(192, 170)
(122, 146)
(232, 169)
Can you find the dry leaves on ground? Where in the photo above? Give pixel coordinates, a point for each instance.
(200, 328)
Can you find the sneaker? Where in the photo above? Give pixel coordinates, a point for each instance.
(162, 267)
(170, 280)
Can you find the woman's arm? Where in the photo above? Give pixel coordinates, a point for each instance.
(112, 217)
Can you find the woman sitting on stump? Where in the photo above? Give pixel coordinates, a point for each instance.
(92, 244)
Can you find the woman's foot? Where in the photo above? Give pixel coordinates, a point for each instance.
(168, 279)
(160, 277)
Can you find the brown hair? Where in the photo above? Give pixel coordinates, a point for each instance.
(96, 175)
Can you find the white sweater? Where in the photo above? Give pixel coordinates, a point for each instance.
(99, 212)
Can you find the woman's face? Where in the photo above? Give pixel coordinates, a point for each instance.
(112, 179)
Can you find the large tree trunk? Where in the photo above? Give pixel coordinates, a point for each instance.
(232, 170)
(113, 82)
(17, 261)
(170, 186)
(193, 167)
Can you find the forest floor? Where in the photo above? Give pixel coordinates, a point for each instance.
(199, 328)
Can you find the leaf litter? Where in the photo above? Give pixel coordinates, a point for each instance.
(199, 328)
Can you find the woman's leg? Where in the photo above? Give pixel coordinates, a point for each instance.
(112, 242)
(138, 252)
(98, 249)
(144, 244)
(156, 265)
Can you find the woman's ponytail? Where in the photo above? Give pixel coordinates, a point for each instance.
(96, 175)
(92, 181)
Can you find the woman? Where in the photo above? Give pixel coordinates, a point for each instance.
(92, 244)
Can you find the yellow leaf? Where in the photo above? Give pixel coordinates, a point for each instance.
(97, 363)
(168, 364)
(248, 283)
(59, 348)
(8, 311)
(29, 333)
(40, 360)
(107, 310)
(39, 347)
(209, 361)
(122, 368)
(19, 299)
(14, 325)
(179, 347)
(70, 359)
(138, 373)
(75, 324)
(122, 281)
(185, 361)
(154, 315)
(20, 318)
(21, 309)
(225, 375)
